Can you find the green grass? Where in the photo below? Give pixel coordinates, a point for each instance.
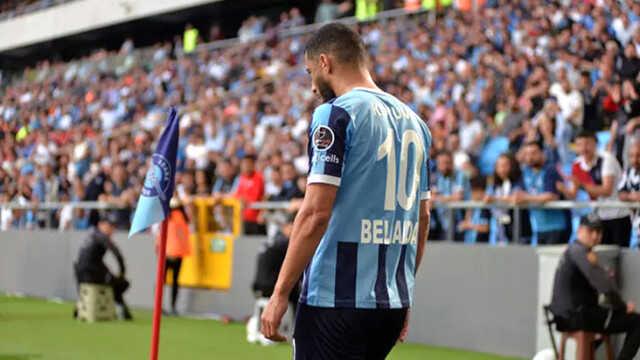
(37, 329)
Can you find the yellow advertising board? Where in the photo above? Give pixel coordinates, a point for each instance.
(210, 264)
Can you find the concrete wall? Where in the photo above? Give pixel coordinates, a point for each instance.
(472, 297)
(475, 297)
(79, 16)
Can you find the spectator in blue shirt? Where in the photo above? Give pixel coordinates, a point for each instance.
(539, 179)
(476, 226)
(226, 181)
(449, 185)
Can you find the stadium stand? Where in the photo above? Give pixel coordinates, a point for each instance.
(13, 8)
(486, 82)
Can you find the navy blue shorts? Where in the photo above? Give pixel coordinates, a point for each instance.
(345, 334)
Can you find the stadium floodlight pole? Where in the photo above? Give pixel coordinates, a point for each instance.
(157, 304)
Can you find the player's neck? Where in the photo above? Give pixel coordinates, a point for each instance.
(352, 80)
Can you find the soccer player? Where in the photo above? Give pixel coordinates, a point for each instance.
(362, 227)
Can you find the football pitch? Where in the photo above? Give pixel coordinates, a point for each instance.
(44, 330)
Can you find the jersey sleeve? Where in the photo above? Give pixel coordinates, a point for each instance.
(327, 144)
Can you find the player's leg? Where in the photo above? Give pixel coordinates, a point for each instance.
(384, 327)
(328, 333)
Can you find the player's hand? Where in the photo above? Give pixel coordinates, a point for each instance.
(405, 328)
(272, 316)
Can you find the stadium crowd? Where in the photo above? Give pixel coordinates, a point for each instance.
(12, 8)
(526, 102)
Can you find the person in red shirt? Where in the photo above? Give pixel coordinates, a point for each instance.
(250, 189)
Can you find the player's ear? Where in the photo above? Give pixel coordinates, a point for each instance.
(325, 63)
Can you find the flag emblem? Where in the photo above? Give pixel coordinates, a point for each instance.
(158, 177)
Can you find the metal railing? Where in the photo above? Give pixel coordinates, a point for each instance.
(449, 206)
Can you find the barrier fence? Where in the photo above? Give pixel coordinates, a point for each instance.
(450, 208)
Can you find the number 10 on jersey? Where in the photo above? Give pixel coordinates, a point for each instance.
(405, 197)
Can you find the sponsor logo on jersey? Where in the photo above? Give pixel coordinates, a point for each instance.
(326, 158)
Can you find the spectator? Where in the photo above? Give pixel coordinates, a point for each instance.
(250, 189)
(290, 188)
(598, 175)
(539, 180)
(226, 182)
(190, 40)
(629, 186)
(90, 267)
(450, 185)
(328, 10)
(476, 226)
(506, 181)
(117, 191)
(579, 281)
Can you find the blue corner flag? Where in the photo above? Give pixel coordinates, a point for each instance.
(153, 205)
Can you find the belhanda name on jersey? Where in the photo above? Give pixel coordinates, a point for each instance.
(378, 231)
(327, 158)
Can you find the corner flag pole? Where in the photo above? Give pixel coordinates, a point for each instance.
(157, 305)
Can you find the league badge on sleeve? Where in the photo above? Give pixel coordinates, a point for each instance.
(323, 138)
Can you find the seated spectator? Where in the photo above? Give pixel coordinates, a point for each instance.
(506, 181)
(578, 284)
(250, 189)
(598, 175)
(90, 267)
(539, 180)
(449, 185)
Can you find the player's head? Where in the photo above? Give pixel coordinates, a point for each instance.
(533, 154)
(332, 51)
(634, 154)
(586, 143)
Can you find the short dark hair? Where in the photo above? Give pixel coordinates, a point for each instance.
(478, 182)
(586, 134)
(340, 41)
(534, 143)
(249, 156)
(443, 153)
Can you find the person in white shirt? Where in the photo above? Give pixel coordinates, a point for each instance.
(599, 176)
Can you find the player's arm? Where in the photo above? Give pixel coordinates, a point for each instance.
(308, 228)
(423, 234)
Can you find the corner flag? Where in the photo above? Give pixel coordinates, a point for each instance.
(153, 204)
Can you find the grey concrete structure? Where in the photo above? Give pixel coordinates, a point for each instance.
(478, 297)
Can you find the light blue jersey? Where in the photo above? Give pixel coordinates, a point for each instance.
(375, 149)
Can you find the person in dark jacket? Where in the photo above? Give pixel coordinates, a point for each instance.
(580, 280)
(90, 266)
